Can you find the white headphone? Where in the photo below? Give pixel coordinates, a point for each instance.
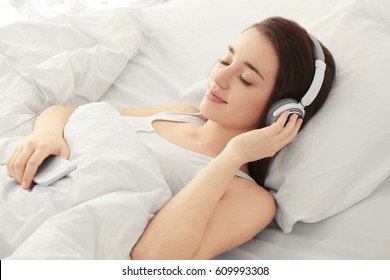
(290, 104)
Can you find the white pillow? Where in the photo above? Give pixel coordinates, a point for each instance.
(194, 94)
(344, 152)
(189, 36)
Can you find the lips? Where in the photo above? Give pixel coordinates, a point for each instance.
(214, 97)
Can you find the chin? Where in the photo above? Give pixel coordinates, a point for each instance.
(208, 109)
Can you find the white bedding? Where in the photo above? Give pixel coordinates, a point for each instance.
(72, 60)
(99, 210)
(155, 60)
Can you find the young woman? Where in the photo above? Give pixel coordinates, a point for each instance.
(220, 207)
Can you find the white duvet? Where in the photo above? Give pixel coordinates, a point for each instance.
(96, 212)
(99, 210)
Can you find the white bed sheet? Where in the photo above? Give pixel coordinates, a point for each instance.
(358, 233)
(157, 75)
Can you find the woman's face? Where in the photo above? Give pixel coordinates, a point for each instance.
(241, 82)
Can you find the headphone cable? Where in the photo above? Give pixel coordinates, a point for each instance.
(5, 58)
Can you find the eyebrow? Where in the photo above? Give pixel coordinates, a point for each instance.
(246, 63)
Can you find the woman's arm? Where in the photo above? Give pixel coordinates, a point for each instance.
(205, 211)
(47, 138)
(215, 212)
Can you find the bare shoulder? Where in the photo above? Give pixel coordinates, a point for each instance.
(251, 201)
(251, 198)
(250, 192)
(151, 110)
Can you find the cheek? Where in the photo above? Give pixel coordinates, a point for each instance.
(254, 101)
(253, 107)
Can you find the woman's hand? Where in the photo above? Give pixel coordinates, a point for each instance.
(265, 142)
(28, 156)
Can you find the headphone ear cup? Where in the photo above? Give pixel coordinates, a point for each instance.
(289, 104)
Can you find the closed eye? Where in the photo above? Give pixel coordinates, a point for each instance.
(223, 62)
(243, 81)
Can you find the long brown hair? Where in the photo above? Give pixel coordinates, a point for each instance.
(296, 71)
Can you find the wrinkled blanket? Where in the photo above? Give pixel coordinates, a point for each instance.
(96, 212)
(99, 210)
(72, 60)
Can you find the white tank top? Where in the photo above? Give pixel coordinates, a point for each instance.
(177, 164)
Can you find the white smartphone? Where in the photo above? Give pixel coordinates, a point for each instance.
(52, 169)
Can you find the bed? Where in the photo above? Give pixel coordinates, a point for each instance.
(332, 184)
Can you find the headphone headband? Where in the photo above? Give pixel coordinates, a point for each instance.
(318, 52)
(319, 73)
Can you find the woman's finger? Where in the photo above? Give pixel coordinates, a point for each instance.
(280, 122)
(10, 163)
(291, 129)
(289, 132)
(297, 127)
(292, 120)
(20, 162)
(12, 160)
(64, 152)
(31, 168)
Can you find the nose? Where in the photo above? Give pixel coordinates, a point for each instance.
(223, 76)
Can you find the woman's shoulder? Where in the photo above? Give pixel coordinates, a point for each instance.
(153, 110)
(249, 185)
(252, 195)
